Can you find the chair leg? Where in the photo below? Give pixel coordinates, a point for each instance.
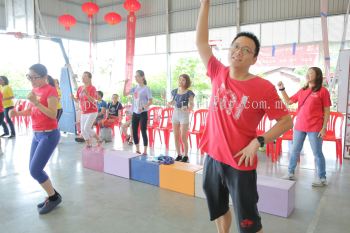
(166, 139)
(189, 139)
(150, 137)
(339, 150)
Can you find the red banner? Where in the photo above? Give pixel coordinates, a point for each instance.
(288, 56)
(130, 50)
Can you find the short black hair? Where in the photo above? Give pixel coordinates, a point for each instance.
(5, 79)
(40, 69)
(100, 93)
(252, 37)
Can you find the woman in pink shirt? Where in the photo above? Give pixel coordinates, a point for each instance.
(313, 113)
(43, 111)
(87, 98)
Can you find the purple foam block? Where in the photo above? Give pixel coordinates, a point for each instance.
(93, 158)
(117, 162)
(276, 196)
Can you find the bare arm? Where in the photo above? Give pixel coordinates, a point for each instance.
(51, 109)
(283, 124)
(25, 112)
(327, 112)
(248, 153)
(284, 93)
(8, 98)
(149, 103)
(126, 93)
(190, 103)
(74, 98)
(202, 35)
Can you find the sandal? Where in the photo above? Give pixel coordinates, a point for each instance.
(138, 152)
(130, 143)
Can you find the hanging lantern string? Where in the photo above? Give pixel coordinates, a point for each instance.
(90, 41)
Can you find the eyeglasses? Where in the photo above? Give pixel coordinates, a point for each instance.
(30, 78)
(244, 49)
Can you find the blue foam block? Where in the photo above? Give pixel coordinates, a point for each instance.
(144, 170)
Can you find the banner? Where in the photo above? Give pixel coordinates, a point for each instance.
(288, 56)
(130, 50)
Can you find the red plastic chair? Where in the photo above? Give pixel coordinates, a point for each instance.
(166, 124)
(154, 116)
(286, 136)
(264, 125)
(18, 107)
(331, 134)
(199, 121)
(26, 119)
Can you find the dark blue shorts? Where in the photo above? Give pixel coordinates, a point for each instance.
(221, 180)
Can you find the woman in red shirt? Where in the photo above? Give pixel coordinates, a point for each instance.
(313, 114)
(43, 110)
(87, 97)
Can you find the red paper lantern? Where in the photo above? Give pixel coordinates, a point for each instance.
(132, 5)
(67, 21)
(112, 18)
(90, 9)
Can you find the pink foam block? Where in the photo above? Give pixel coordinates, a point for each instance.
(93, 158)
(276, 196)
(117, 162)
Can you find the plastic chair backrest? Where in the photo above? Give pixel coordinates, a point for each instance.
(154, 116)
(199, 120)
(261, 126)
(332, 123)
(165, 120)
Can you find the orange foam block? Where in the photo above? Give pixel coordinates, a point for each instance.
(178, 177)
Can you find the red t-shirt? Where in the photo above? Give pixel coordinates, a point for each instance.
(40, 121)
(311, 109)
(86, 105)
(1, 105)
(236, 108)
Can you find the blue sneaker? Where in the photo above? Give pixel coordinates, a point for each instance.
(49, 205)
(41, 204)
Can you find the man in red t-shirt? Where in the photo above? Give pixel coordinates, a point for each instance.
(239, 101)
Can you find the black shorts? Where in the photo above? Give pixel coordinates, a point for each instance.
(220, 180)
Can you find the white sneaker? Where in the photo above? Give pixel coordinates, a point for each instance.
(289, 176)
(319, 182)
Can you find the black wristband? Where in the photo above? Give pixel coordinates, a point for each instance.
(282, 89)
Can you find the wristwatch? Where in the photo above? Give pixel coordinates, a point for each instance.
(261, 140)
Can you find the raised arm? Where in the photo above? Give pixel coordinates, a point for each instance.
(202, 35)
(285, 96)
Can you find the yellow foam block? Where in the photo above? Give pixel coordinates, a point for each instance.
(178, 177)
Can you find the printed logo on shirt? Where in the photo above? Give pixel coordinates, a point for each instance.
(226, 100)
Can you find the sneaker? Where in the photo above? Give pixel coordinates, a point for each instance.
(50, 205)
(4, 134)
(79, 139)
(12, 136)
(178, 158)
(41, 204)
(185, 159)
(319, 182)
(289, 176)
